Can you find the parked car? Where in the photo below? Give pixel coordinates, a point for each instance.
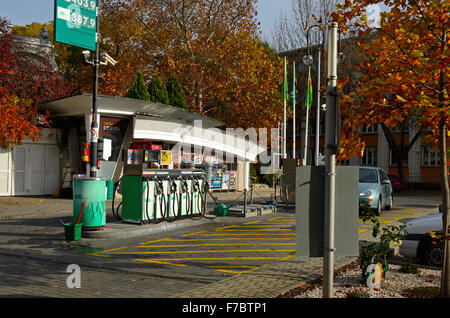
(397, 182)
(418, 244)
(375, 189)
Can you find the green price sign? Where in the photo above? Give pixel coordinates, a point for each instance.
(76, 23)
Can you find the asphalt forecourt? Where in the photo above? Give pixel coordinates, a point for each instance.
(230, 249)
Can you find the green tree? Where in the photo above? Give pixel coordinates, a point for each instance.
(175, 92)
(157, 91)
(139, 88)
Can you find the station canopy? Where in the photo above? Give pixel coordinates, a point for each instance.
(154, 121)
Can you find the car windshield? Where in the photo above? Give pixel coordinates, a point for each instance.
(368, 176)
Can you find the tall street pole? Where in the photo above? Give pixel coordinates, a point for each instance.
(293, 108)
(331, 127)
(284, 97)
(94, 123)
(318, 109)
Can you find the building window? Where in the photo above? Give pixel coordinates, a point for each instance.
(370, 157)
(392, 161)
(373, 129)
(430, 158)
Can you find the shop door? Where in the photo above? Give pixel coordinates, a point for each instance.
(35, 169)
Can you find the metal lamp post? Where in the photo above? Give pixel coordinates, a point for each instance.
(308, 60)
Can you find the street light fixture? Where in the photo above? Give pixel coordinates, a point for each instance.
(308, 61)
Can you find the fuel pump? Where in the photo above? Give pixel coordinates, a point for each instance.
(151, 200)
(196, 197)
(155, 195)
(160, 199)
(185, 196)
(173, 198)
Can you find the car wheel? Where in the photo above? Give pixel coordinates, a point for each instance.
(391, 202)
(433, 255)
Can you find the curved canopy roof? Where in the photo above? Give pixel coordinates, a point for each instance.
(81, 104)
(164, 123)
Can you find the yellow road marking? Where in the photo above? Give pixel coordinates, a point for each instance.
(224, 270)
(216, 244)
(160, 262)
(257, 230)
(155, 241)
(203, 259)
(241, 234)
(197, 252)
(226, 239)
(106, 253)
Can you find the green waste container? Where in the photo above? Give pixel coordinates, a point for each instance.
(72, 231)
(89, 201)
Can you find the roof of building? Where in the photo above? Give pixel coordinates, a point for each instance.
(111, 105)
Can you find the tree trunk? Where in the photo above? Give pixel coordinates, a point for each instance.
(445, 278)
(198, 97)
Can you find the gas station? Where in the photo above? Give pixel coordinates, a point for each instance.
(159, 157)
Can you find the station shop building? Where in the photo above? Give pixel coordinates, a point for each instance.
(127, 126)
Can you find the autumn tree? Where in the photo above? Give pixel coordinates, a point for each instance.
(290, 30)
(190, 33)
(404, 72)
(25, 82)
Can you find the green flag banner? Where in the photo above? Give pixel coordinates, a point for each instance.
(309, 91)
(286, 90)
(294, 82)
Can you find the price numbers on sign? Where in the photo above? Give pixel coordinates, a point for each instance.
(81, 20)
(86, 4)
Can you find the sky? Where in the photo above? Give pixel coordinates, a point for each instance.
(22, 12)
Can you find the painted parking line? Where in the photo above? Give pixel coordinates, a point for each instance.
(201, 246)
(232, 269)
(199, 251)
(219, 239)
(211, 244)
(239, 234)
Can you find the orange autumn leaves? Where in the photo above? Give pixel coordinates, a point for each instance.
(211, 46)
(403, 68)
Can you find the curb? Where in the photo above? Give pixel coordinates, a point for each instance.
(123, 230)
(32, 214)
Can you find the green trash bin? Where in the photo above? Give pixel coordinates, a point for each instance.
(89, 201)
(72, 231)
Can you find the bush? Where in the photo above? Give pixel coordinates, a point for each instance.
(377, 251)
(409, 267)
(357, 293)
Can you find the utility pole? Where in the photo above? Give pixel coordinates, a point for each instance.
(94, 123)
(293, 108)
(316, 158)
(331, 142)
(284, 100)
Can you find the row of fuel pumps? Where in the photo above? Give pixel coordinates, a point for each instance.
(153, 196)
